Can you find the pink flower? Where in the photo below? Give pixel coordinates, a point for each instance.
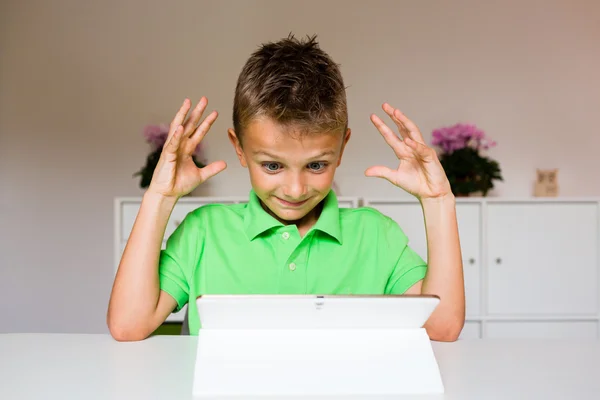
(459, 136)
(156, 135)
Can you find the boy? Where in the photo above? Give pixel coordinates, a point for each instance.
(290, 130)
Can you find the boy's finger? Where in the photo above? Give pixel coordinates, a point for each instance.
(415, 133)
(390, 111)
(179, 117)
(424, 152)
(390, 137)
(192, 124)
(173, 144)
(211, 170)
(201, 131)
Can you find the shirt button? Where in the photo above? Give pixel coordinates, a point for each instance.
(292, 266)
(285, 235)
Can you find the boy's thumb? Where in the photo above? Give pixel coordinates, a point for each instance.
(380, 171)
(212, 169)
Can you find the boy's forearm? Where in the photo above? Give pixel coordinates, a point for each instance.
(445, 270)
(136, 289)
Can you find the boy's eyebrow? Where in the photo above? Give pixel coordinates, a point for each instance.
(266, 153)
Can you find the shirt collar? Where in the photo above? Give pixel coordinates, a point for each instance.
(329, 220)
(258, 221)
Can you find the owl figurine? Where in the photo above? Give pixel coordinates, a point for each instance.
(546, 183)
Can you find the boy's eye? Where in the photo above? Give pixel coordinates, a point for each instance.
(271, 166)
(317, 166)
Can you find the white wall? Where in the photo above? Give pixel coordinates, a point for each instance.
(80, 79)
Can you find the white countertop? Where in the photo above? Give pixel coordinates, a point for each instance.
(65, 366)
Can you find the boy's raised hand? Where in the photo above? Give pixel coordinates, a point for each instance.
(420, 172)
(176, 174)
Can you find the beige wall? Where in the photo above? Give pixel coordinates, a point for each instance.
(80, 79)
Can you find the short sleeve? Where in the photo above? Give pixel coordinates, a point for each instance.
(409, 267)
(178, 259)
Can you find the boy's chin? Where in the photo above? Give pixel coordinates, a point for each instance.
(286, 213)
(291, 216)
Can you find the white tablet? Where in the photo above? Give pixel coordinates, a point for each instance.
(315, 311)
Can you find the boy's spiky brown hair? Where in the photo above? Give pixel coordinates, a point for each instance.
(294, 83)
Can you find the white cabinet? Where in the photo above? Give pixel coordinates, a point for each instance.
(409, 215)
(531, 266)
(126, 210)
(542, 258)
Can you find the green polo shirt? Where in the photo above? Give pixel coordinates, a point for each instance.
(241, 249)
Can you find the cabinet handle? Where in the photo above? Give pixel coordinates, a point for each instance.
(498, 260)
(471, 261)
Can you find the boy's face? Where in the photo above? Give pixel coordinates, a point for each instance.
(290, 173)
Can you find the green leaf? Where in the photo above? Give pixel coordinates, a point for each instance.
(469, 172)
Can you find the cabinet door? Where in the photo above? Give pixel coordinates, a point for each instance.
(542, 330)
(471, 330)
(542, 258)
(410, 218)
(347, 202)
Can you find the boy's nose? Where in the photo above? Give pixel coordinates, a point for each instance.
(295, 190)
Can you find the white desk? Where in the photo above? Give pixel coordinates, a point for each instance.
(48, 366)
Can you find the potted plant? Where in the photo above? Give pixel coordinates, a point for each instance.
(156, 136)
(461, 148)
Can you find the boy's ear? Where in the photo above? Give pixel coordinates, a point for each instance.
(237, 146)
(344, 142)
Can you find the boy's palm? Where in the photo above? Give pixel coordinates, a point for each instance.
(420, 172)
(176, 174)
